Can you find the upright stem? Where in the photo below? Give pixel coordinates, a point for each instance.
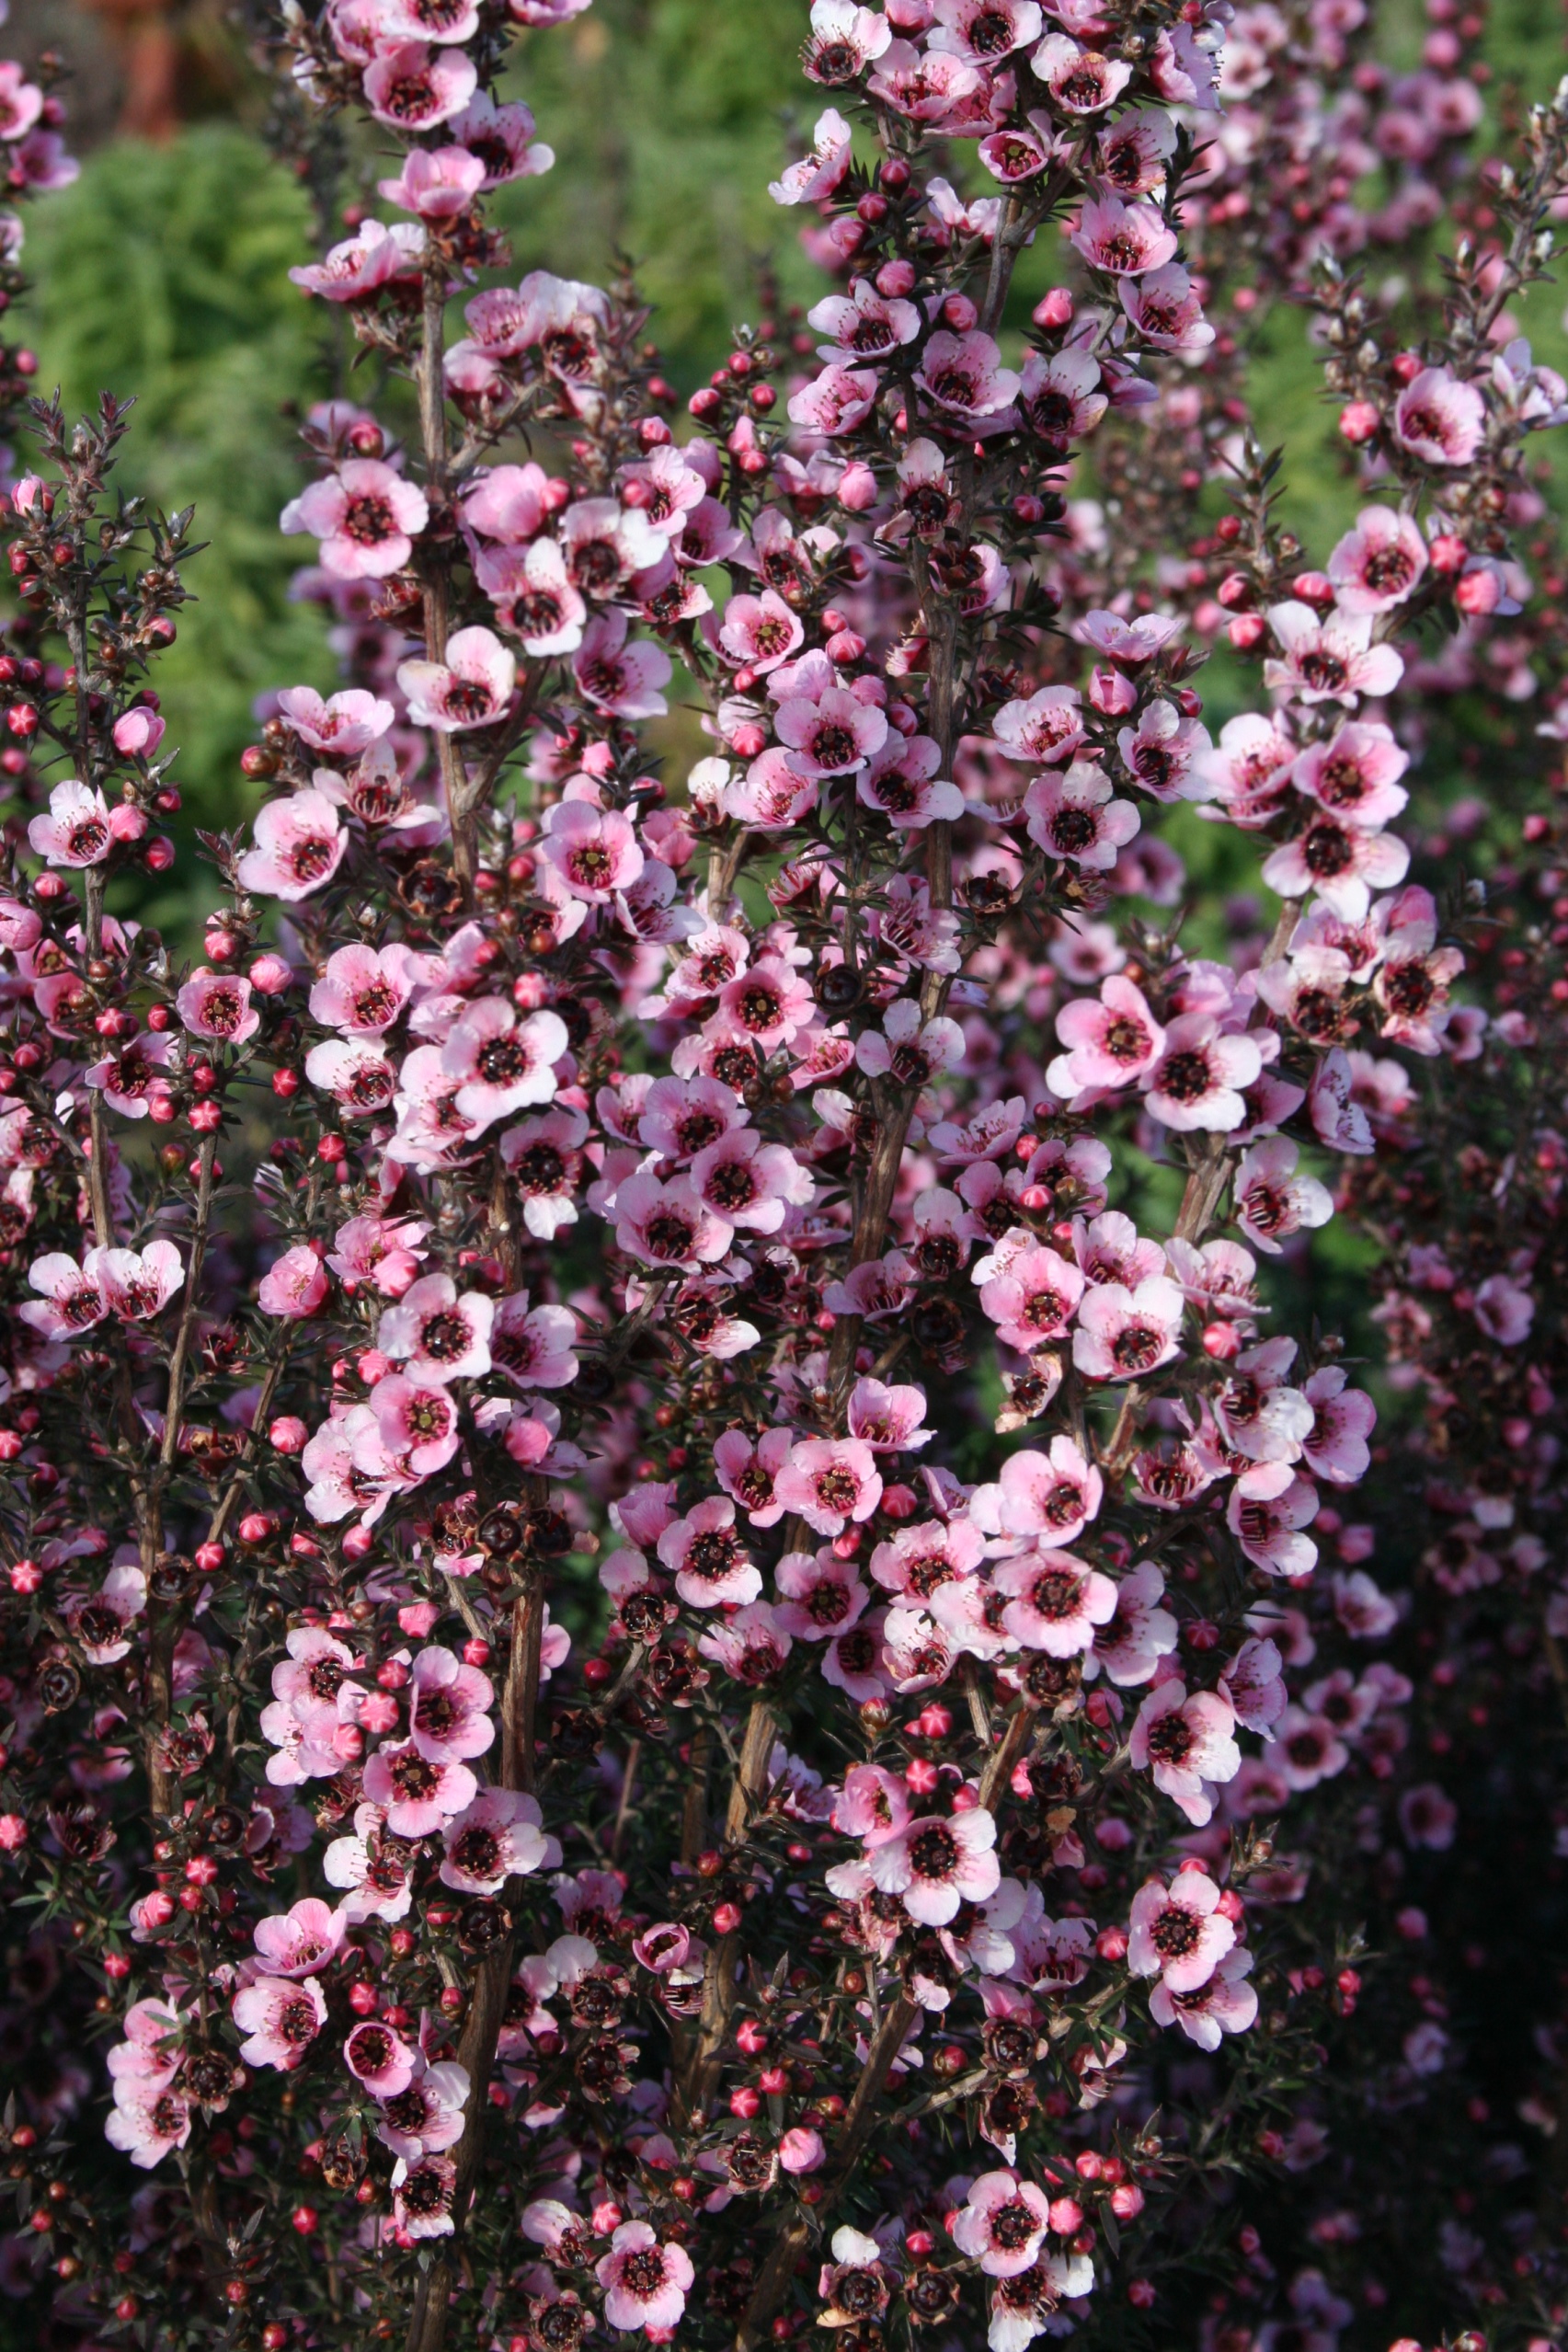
(437, 576)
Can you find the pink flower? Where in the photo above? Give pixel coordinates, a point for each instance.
(887, 1419)
(927, 87)
(620, 678)
(748, 1472)
(1428, 1817)
(1307, 1750)
(668, 1223)
(533, 1346)
(829, 1482)
(1268, 1507)
(1054, 1495)
(427, 2116)
(448, 1707)
(1197, 1081)
(545, 1159)
(1131, 1643)
(908, 1049)
(1002, 2224)
(413, 88)
(835, 402)
(1124, 1333)
(1226, 2004)
(366, 517)
(760, 631)
(873, 1805)
(418, 1795)
(21, 103)
(501, 1061)
(1504, 1309)
(1164, 307)
(72, 1298)
(297, 1942)
(139, 1283)
(964, 374)
(900, 780)
(496, 1838)
(422, 2193)
(295, 1285)
(1048, 727)
(533, 595)
(1178, 1932)
(147, 2120)
(595, 851)
(1032, 1300)
(138, 732)
(471, 688)
(298, 846)
(769, 1003)
(1271, 1201)
(363, 990)
(417, 1425)
(645, 2283)
(984, 31)
(752, 1185)
(373, 256)
(1081, 81)
(818, 174)
(1073, 816)
(1343, 862)
(279, 2019)
(1122, 240)
(217, 1005)
(1061, 401)
(102, 1621)
(1440, 420)
(437, 1333)
(822, 1595)
(935, 1864)
(379, 2059)
(831, 734)
(436, 182)
(1055, 1601)
(1187, 1743)
(864, 325)
(1355, 774)
(708, 1559)
(1377, 565)
(76, 831)
(1109, 1042)
(1328, 660)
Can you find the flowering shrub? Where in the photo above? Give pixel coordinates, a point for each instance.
(686, 1648)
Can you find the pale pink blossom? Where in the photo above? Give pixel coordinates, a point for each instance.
(1121, 1334)
(963, 374)
(377, 2056)
(1267, 1509)
(984, 31)
(1178, 1932)
(1438, 418)
(831, 1482)
(816, 176)
(1336, 1448)
(298, 1942)
(937, 1863)
(279, 2019)
(366, 517)
(75, 832)
(1355, 775)
(645, 2282)
(1378, 563)
(1073, 816)
(1328, 660)
(668, 1223)
(102, 1621)
(749, 1472)
(139, 1284)
(708, 1558)
(1054, 1602)
(413, 88)
(353, 272)
(417, 1794)
(497, 1838)
(1081, 81)
(1503, 1308)
(72, 1298)
(1130, 1643)
(1273, 1201)
(437, 1333)
(1198, 1079)
(1341, 861)
(436, 182)
(823, 1595)
(1227, 2003)
(448, 1706)
(217, 1006)
(298, 846)
(1188, 1744)
(1109, 1042)
(470, 688)
(295, 1285)
(1122, 240)
(533, 1347)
